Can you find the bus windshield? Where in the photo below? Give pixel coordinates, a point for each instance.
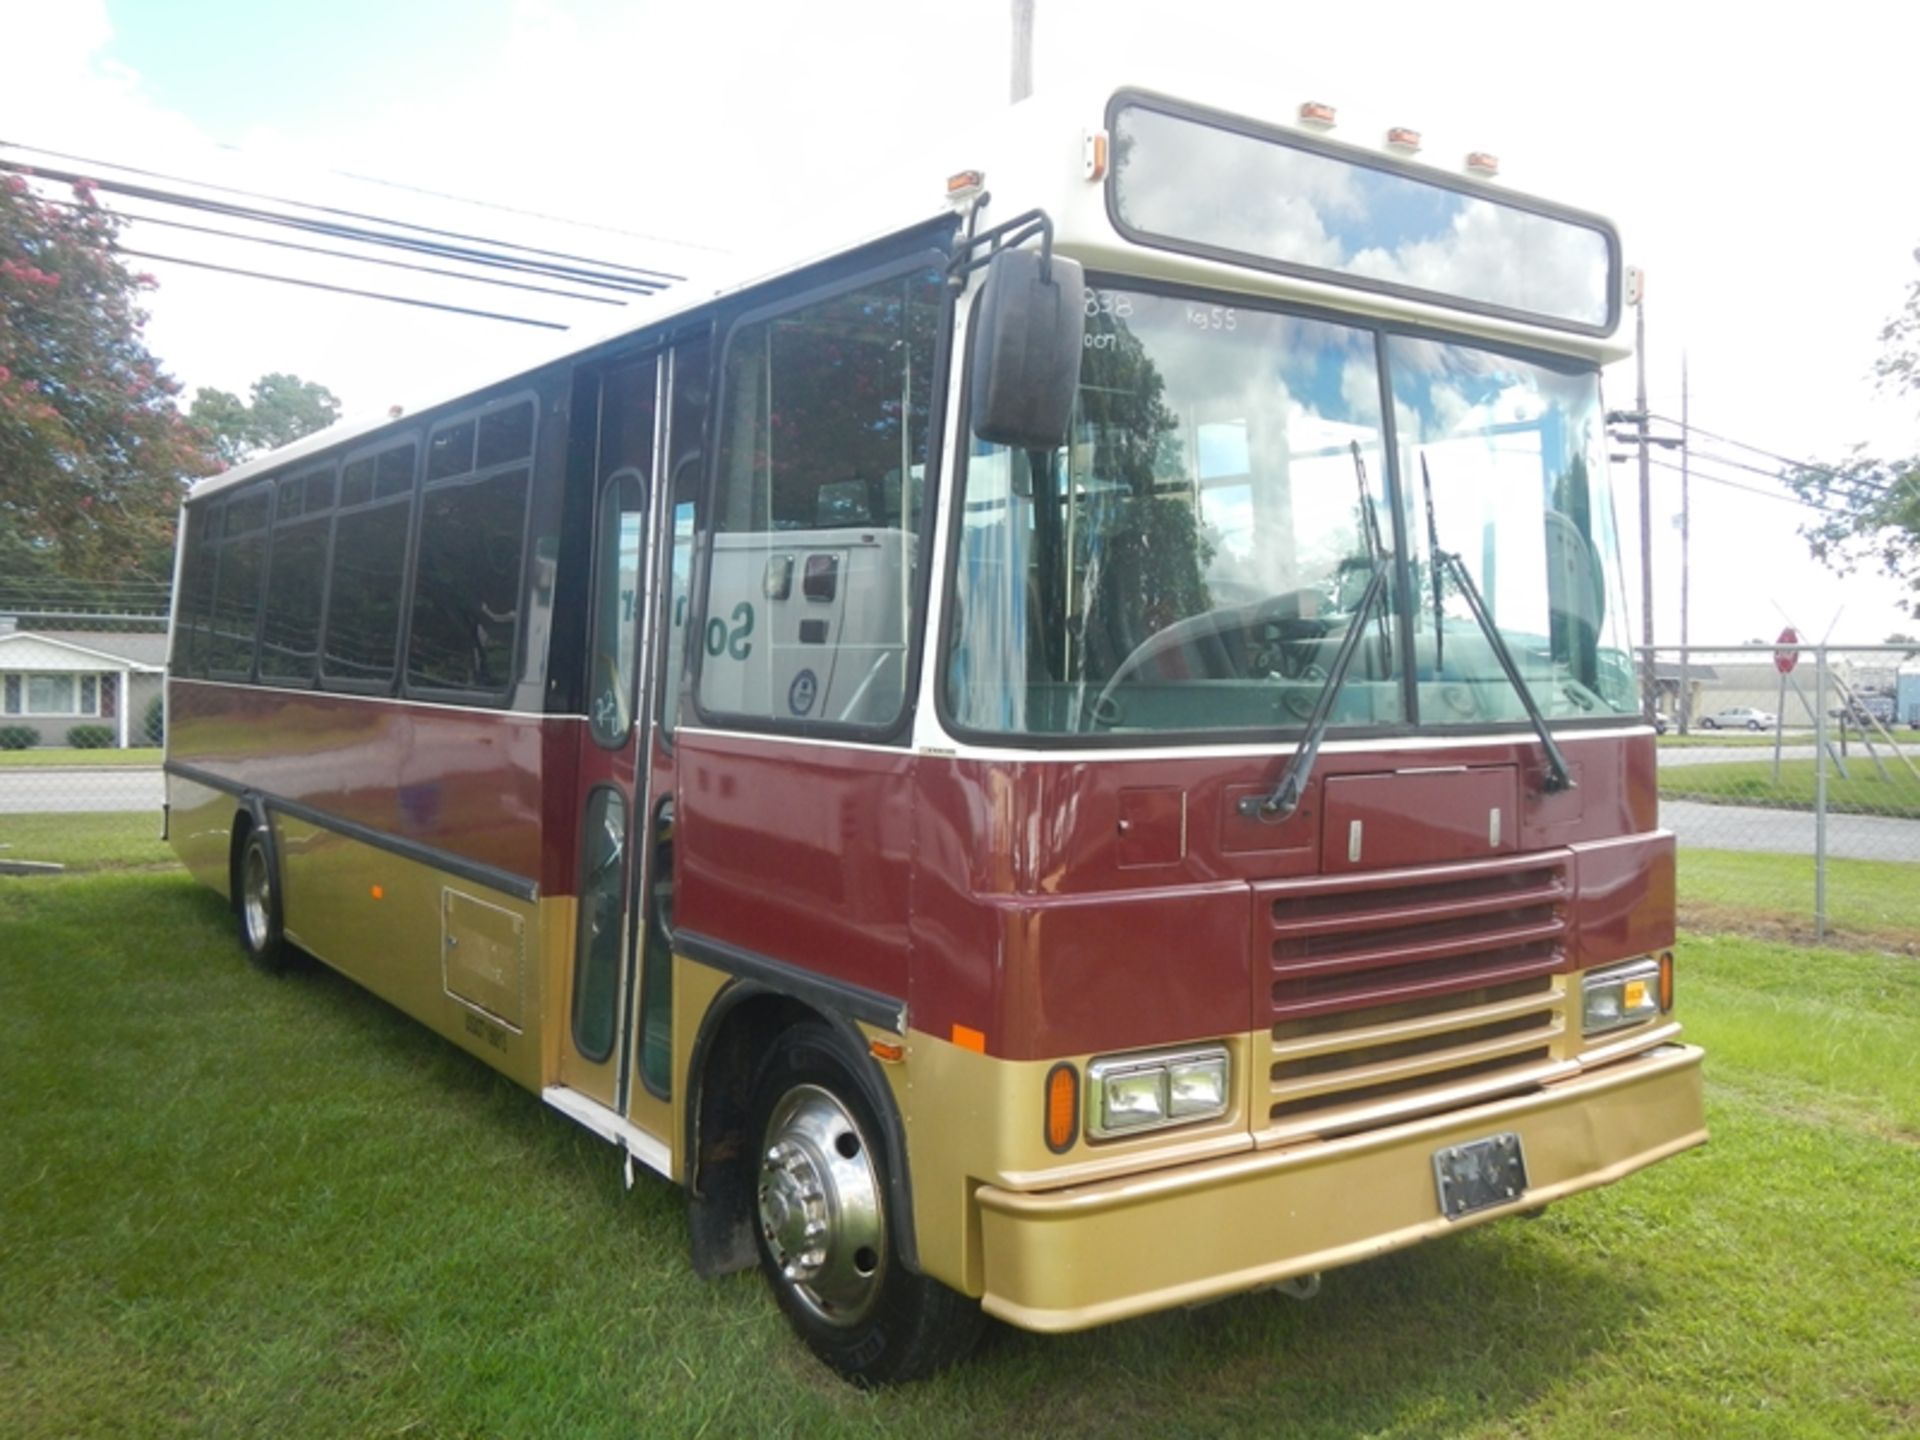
(1192, 560)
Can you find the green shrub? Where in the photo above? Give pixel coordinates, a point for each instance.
(18, 737)
(154, 727)
(90, 737)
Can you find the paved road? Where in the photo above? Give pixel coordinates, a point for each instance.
(1789, 832)
(1721, 754)
(70, 791)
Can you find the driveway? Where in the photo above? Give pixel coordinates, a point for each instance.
(73, 790)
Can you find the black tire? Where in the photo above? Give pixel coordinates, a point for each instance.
(1753, 725)
(256, 903)
(829, 1245)
(1707, 722)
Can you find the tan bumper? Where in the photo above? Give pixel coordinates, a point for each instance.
(1067, 1259)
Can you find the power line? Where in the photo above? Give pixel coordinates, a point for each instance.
(637, 270)
(134, 219)
(345, 290)
(626, 284)
(1748, 489)
(1829, 471)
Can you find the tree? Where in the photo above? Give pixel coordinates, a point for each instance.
(93, 448)
(1870, 506)
(283, 409)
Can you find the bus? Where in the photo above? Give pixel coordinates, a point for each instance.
(1078, 756)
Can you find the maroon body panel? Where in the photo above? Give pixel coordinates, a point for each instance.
(485, 785)
(1056, 906)
(1060, 906)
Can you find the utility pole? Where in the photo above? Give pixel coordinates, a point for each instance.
(1649, 687)
(1023, 50)
(1686, 553)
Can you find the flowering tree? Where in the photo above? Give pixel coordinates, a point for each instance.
(93, 449)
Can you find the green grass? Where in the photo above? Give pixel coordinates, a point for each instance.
(1751, 782)
(232, 1206)
(1700, 739)
(41, 757)
(86, 842)
(1870, 902)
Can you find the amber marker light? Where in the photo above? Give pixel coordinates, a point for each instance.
(1063, 1107)
(379, 892)
(890, 1051)
(1666, 981)
(1481, 163)
(1317, 112)
(965, 184)
(1093, 154)
(968, 1038)
(1400, 137)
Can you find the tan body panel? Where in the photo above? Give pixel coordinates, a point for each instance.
(1091, 1254)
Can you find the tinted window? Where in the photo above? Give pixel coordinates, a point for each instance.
(692, 364)
(367, 573)
(619, 567)
(236, 593)
(466, 588)
(290, 627)
(823, 447)
(195, 592)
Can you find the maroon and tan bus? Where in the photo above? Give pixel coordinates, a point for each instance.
(1077, 757)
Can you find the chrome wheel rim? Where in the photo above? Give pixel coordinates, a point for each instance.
(254, 897)
(820, 1207)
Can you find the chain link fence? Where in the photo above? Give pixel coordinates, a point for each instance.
(82, 715)
(1791, 777)
(1794, 792)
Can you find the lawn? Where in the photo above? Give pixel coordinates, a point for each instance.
(1869, 902)
(231, 1205)
(45, 757)
(1751, 782)
(1699, 739)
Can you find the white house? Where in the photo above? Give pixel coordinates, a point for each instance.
(51, 681)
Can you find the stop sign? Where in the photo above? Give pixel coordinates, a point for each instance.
(1785, 658)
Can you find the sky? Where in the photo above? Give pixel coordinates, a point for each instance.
(1757, 170)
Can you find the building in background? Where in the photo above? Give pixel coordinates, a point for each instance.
(54, 681)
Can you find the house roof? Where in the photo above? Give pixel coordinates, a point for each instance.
(82, 651)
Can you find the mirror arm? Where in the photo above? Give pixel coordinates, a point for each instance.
(1021, 228)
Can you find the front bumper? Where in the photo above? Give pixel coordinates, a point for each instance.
(1094, 1253)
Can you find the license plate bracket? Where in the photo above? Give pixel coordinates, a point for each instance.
(1479, 1174)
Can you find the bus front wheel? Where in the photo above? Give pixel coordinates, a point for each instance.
(258, 901)
(822, 1223)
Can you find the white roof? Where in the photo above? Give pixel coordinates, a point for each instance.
(22, 651)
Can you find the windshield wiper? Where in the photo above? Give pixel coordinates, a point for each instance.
(1376, 548)
(1559, 777)
(1284, 798)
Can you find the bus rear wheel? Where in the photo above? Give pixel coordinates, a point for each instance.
(257, 898)
(827, 1240)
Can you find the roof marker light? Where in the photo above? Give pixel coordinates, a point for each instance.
(1481, 163)
(965, 185)
(1402, 138)
(1316, 112)
(1093, 154)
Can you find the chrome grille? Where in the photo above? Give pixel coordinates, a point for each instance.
(1401, 993)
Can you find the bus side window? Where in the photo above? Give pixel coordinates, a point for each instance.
(825, 412)
(686, 438)
(468, 568)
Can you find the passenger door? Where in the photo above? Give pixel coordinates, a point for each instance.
(614, 843)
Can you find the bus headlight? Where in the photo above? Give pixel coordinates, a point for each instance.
(1127, 1094)
(1620, 996)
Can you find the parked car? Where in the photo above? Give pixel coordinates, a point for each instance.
(1739, 717)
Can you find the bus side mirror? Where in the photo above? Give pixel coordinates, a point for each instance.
(1026, 356)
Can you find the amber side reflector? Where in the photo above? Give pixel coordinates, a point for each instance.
(968, 1038)
(379, 892)
(1666, 980)
(891, 1051)
(1063, 1107)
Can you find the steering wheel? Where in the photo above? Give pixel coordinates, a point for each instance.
(1277, 612)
